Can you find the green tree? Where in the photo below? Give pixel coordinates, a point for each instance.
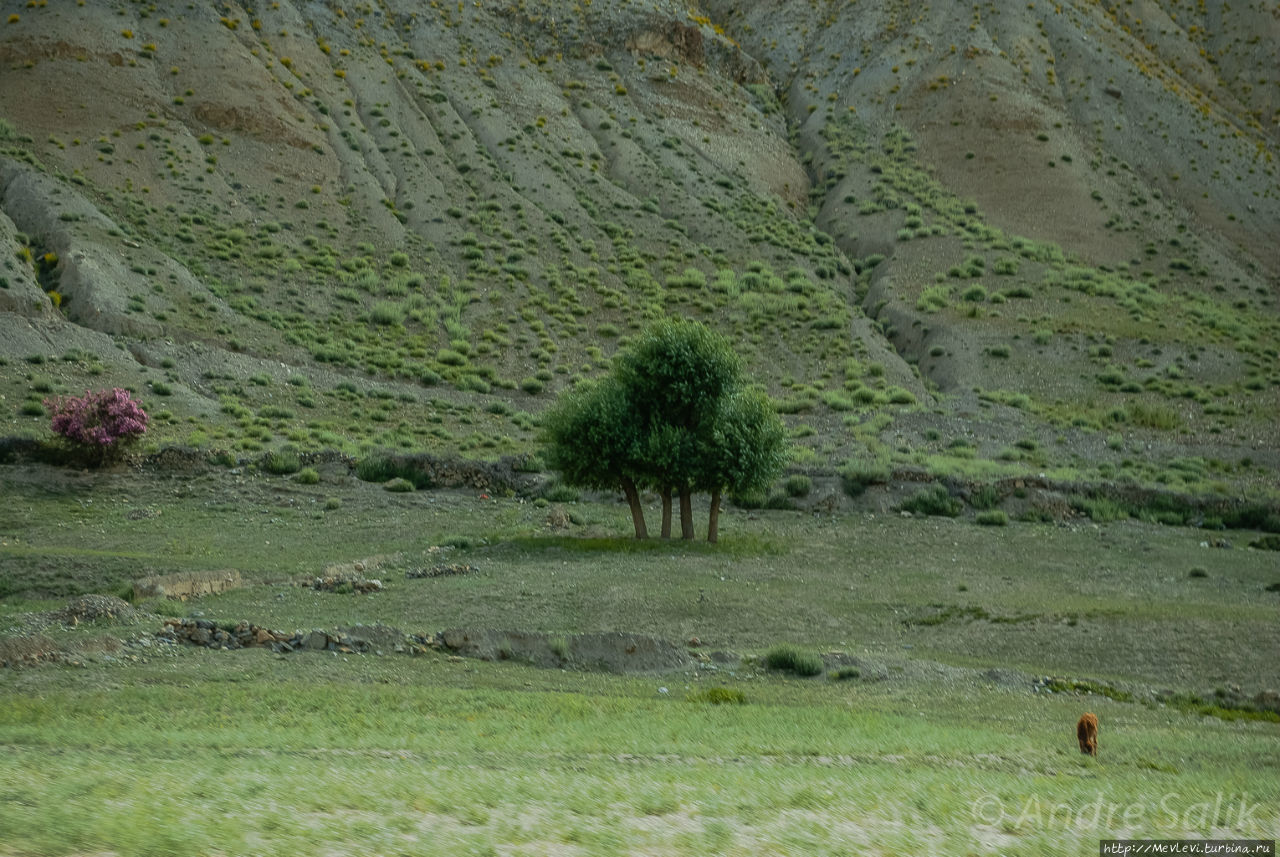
(674, 416)
(594, 441)
(676, 374)
(743, 452)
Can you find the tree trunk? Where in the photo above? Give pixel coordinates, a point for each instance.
(713, 519)
(637, 513)
(686, 514)
(666, 512)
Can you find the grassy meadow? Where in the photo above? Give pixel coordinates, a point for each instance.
(926, 731)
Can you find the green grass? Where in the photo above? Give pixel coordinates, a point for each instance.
(229, 752)
(419, 756)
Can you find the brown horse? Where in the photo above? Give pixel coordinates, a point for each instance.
(1087, 734)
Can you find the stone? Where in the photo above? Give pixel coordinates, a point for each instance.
(316, 641)
(263, 637)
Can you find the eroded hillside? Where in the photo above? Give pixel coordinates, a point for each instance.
(1044, 230)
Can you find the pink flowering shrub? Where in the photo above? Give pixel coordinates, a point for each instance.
(99, 424)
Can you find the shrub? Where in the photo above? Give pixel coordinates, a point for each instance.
(376, 468)
(281, 462)
(387, 314)
(986, 497)
(558, 492)
(790, 659)
(846, 673)
(798, 485)
(858, 474)
(531, 385)
(307, 476)
(934, 500)
(99, 425)
(398, 485)
(992, 518)
(1101, 510)
(1153, 416)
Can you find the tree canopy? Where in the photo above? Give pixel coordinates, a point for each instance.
(674, 416)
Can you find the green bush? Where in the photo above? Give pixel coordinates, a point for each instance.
(558, 492)
(532, 386)
(1268, 543)
(376, 468)
(992, 518)
(858, 474)
(307, 476)
(788, 658)
(798, 485)
(846, 673)
(387, 314)
(1100, 510)
(986, 497)
(934, 500)
(1153, 416)
(398, 485)
(281, 462)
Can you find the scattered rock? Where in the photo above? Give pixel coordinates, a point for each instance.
(343, 584)
(88, 608)
(440, 571)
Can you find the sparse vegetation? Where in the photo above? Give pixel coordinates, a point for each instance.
(391, 239)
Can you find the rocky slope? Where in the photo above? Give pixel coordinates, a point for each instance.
(1035, 235)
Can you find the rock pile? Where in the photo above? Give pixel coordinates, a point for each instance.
(88, 608)
(244, 635)
(343, 584)
(439, 571)
(202, 632)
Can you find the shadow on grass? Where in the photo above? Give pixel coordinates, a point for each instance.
(743, 545)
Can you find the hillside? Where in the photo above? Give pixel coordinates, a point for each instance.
(986, 240)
